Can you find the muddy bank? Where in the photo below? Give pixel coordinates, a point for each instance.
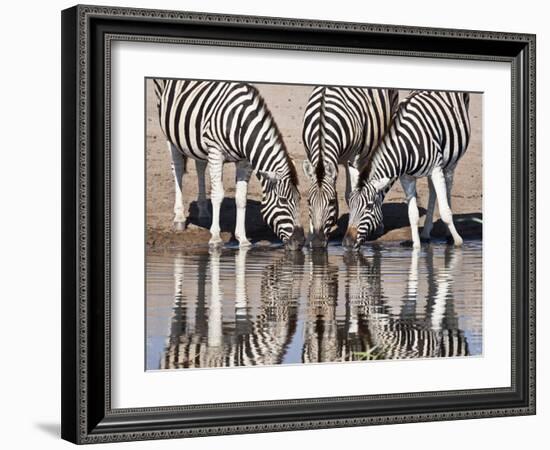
(396, 228)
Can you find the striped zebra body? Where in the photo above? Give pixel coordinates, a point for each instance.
(342, 125)
(428, 136)
(216, 122)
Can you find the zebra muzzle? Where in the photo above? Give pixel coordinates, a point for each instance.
(350, 238)
(318, 239)
(296, 240)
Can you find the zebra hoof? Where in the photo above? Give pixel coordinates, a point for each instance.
(455, 243)
(425, 240)
(179, 226)
(245, 243)
(215, 242)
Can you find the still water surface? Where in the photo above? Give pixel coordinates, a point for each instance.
(264, 306)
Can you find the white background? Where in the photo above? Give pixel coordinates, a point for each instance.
(133, 387)
(30, 229)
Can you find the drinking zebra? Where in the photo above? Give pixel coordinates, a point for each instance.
(429, 134)
(341, 126)
(216, 122)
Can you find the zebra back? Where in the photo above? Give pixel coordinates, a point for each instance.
(429, 128)
(341, 123)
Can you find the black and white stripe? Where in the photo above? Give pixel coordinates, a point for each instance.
(218, 122)
(410, 328)
(214, 338)
(428, 136)
(342, 125)
(371, 323)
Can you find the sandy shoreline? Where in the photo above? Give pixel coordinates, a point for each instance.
(287, 104)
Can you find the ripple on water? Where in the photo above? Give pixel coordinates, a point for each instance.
(259, 306)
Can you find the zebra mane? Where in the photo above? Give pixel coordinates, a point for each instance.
(263, 105)
(320, 167)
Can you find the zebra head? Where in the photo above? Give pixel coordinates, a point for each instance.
(322, 202)
(280, 207)
(365, 211)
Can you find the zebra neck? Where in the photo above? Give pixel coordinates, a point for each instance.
(388, 161)
(269, 156)
(273, 160)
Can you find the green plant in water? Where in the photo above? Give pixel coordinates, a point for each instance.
(371, 354)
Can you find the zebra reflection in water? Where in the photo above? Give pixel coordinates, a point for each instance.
(322, 340)
(406, 332)
(256, 336)
(253, 309)
(328, 337)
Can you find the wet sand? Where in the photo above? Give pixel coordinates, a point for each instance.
(287, 105)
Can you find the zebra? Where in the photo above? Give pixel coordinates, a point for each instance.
(216, 122)
(428, 136)
(179, 168)
(341, 125)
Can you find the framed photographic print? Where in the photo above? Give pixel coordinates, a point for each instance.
(281, 224)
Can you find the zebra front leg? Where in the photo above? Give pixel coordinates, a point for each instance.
(429, 221)
(243, 172)
(449, 175)
(178, 169)
(201, 180)
(215, 163)
(409, 186)
(438, 180)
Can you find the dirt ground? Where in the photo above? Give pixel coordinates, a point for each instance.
(287, 103)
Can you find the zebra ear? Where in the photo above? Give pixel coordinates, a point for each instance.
(270, 177)
(330, 171)
(380, 184)
(353, 176)
(309, 171)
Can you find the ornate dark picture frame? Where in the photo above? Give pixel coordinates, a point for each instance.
(87, 35)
